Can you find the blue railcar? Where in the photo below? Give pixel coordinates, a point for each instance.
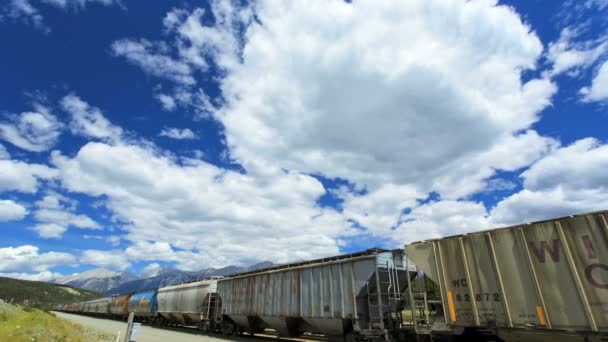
(144, 304)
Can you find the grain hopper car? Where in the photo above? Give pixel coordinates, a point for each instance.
(344, 297)
(538, 281)
(189, 303)
(144, 305)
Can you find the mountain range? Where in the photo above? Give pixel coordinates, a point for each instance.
(109, 282)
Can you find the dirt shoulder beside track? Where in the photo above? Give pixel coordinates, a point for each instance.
(151, 334)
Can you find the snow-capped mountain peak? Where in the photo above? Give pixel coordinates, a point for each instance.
(98, 279)
(98, 273)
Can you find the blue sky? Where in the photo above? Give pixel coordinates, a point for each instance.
(197, 134)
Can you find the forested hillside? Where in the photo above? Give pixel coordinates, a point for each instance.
(41, 294)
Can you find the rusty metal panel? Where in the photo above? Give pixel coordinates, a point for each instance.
(550, 275)
(119, 303)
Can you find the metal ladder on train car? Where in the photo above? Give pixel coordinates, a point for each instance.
(387, 293)
(209, 317)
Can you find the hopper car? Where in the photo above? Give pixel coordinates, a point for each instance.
(144, 305)
(530, 282)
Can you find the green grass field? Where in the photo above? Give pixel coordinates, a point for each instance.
(21, 324)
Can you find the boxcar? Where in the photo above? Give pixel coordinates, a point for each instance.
(119, 305)
(344, 295)
(143, 304)
(185, 303)
(548, 277)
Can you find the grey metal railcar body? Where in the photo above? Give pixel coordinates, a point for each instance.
(98, 307)
(341, 297)
(539, 280)
(189, 303)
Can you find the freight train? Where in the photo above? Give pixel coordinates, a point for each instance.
(531, 282)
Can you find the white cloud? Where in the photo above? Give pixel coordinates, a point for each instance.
(56, 214)
(11, 211)
(176, 133)
(434, 101)
(106, 259)
(153, 59)
(35, 131)
(46, 276)
(79, 3)
(4, 153)
(50, 230)
(152, 270)
(200, 45)
(89, 121)
(28, 259)
(144, 250)
(598, 91)
(380, 209)
(213, 216)
(168, 102)
(570, 180)
(442, 218)
(23, 177)
(400, 98)
(24, 10)
(567, 54)
(348, 102)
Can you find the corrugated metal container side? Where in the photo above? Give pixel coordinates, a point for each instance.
(119, 305)
(184, 302)
(550, 274)
(319, 296)
(143, 303)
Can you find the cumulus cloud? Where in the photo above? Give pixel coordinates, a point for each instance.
(568, 181)
(145, 250)
(380, 209)
(55, 213)
(115, 260)
(598, 90)
(434, 101)
(46, 276)
(360, 107)
(213, 216)
(11, 211)
(22, 176)
(152, 270)
(35, 131)
(401, 99)
(89, 121)
(176, 133)
(167, 101)
(50, 230)
(27, 259)
(442, 218)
